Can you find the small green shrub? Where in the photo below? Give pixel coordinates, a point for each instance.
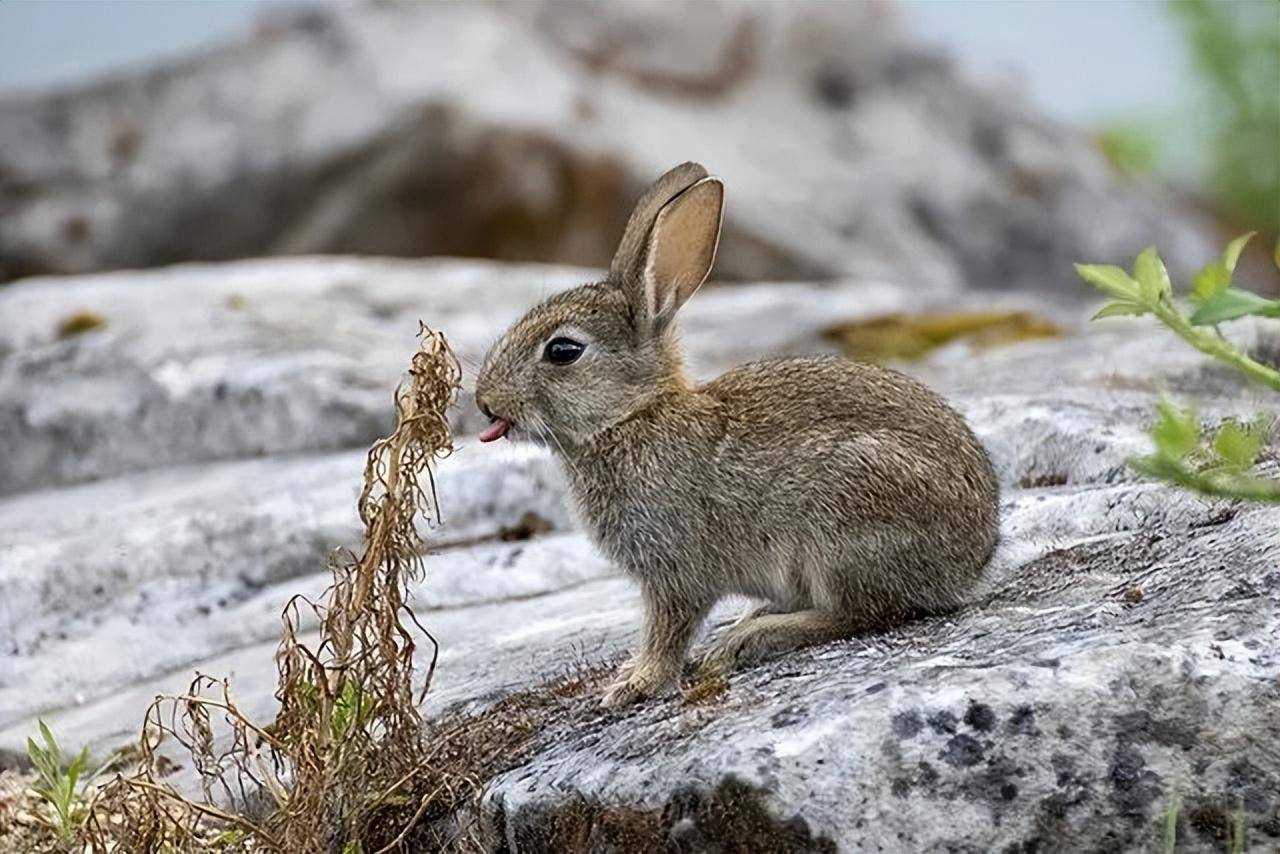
(1214, 465)
(59, 786)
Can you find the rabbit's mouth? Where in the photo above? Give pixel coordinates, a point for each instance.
(496, 430)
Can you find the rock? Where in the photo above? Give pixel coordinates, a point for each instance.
(390, 129)
(1125, 649)
(200, 363)
(206, 558)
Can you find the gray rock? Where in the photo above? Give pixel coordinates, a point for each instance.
(206, 559)
(198, 363)
(394, 129)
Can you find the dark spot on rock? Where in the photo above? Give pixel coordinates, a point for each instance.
(1026, 846)
(1209, 820)
(123, 145)
(1140, 728)
(943, 722)
(834, 88)
(1022, 722)
(1220, 516)
(585, 109)
(1134, 786)
(790, 716)
(931, 218)
(962, 751)
(385, 310)
(731, 817)
(1252, 785)
(980, 717)
(1064, 768)
(924, 776)
(1270, 825)
(1050, 663)
(529, 525)
(876, 688)
(1054, 807)
(1008, 792)
(906, 724)
(988, 140)
(1043, 480)
(75, 229)
(907, 65)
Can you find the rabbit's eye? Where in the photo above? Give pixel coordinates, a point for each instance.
(563, 351)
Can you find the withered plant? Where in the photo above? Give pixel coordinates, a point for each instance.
(347, 747)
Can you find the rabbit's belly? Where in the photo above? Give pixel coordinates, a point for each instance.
(772, 576)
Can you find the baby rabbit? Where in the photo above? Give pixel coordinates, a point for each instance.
(848, 496)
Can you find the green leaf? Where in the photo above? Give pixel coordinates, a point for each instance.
(1233, 303)
(1232, 253)
(1153, 278)
(1176, 432)
(49, 741)
(1209, 282)
(1238, 444)
(228, 838)
(1109, 279)
(1119, 308)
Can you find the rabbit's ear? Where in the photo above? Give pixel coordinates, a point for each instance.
(670, 242)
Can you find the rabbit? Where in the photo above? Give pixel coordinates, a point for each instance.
(847, 496)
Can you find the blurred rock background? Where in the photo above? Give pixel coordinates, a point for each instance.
(523, 130)
(180, 442)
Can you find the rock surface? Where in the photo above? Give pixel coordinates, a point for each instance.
(1126, 648)
(409, 129)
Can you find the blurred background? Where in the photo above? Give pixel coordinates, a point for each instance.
(522, 130)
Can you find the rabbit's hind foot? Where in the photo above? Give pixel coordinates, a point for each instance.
(767, 634)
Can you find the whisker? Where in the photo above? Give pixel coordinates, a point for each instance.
(547, 433)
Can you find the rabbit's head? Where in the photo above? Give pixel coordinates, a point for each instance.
(587, 358)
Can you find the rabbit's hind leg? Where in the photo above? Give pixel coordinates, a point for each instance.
(770, 634)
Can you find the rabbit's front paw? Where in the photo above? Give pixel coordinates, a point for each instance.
(621, 694)
(636, 681)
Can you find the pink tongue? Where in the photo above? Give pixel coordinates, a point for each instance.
(496, 430)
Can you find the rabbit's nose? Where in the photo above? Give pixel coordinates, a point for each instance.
(484, 408)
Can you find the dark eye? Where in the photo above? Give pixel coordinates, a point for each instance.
(563, 351)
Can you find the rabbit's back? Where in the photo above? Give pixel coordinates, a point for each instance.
(863, 469)
(858, 437)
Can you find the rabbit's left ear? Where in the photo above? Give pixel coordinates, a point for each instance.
(681, 248)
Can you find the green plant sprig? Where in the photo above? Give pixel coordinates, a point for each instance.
(1149, 291)
(1184, 455)
(1220, 467)
(58, 786)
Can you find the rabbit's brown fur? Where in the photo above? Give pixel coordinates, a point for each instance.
(848, 496)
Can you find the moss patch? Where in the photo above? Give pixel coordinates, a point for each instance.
(80, 322)
(732, 817)
(911, 336)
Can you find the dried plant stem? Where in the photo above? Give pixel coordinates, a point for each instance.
(348, 733)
